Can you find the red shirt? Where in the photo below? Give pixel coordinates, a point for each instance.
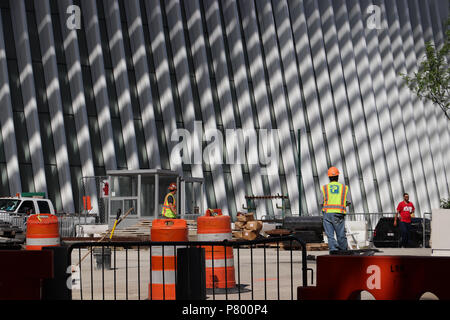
(405, 210)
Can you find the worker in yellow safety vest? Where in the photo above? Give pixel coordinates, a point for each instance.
(169, 209)
(335, 196)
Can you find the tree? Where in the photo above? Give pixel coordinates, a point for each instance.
(432, 80)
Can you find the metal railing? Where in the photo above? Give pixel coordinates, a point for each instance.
(67, 222)
(262, 270)
(16, 220)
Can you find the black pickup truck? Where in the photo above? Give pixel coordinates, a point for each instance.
(386, 235)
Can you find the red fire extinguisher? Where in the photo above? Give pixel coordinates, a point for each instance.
(106, 189)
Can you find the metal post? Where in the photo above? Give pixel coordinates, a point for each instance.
(138, 204)
(182, 200)
(299, 175)
(156, 194)
(109, 200)
(424, 227)
(423, 230)
(178, 211)
(202, 197)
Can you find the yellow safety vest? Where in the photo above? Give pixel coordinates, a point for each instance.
(167, 210)
(334, 197)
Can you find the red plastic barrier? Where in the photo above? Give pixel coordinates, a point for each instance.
(385, 277)
(22, 272)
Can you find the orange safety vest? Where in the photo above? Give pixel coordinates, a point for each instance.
(167, 210)
(334, 197)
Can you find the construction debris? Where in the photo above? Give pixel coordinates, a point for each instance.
(245, 217)
(246, 227)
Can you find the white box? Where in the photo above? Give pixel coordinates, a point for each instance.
(359, 231)
(440, 227)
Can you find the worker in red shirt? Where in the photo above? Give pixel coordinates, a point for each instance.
(406, 210)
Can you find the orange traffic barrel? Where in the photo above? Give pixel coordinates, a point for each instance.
(42, 231)
(219, 260)
(163, 258)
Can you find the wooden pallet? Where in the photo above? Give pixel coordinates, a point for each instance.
(278, 232)
(317, 246)
(142, 229)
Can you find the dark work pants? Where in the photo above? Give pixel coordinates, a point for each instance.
(404, 233)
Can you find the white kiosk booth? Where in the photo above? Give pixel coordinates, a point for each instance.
(145, 190)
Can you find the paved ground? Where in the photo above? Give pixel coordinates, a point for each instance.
(261, 274)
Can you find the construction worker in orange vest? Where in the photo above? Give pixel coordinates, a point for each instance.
(334, 209)
(169, 209)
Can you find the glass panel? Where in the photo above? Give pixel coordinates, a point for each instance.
(193, 198)
(124, 186)
(47, 139)
(119, 144)
(230, 194)
(96, 143)
(134, 96)
(40, 87)
(89, 91)
(104, 37)
(14, 85)
(2, 153)
(130, 203)
(147, 196)
(77, 187)
(53, 188)
(29, 5)
(165, 163)
(26, 177)
(140, 139)
(209, 187)
(124, 205)
(59, 47)
(84, 58)
(64, 87)
(9, 36)
(116, 205)
(4, 186)
(100, 12)
(266, 190)
(114, 107)
(23, 152)
(33, 36)
(71, 138)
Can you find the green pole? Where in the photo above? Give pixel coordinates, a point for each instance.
(299, 175)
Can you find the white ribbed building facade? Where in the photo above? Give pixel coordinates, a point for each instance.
(110, 93)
